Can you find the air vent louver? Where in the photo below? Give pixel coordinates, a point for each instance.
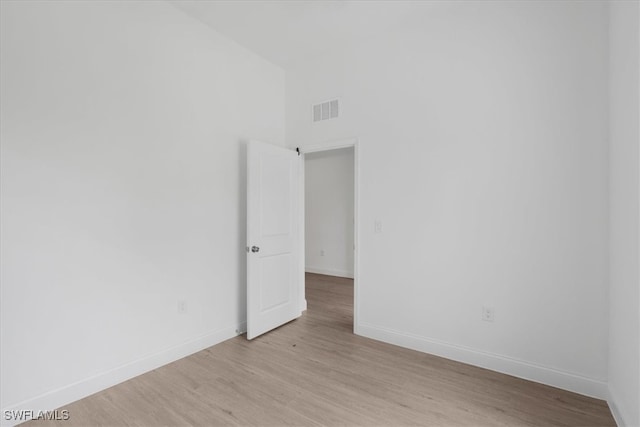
(326, 110)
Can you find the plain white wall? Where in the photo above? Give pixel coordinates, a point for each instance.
(329, 212)
(624, 318)
(483, 152)
(123, 190)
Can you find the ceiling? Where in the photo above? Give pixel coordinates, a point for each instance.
(286, 32)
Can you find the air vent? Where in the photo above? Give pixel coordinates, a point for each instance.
(326, 110)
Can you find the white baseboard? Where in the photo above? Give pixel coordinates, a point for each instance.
(81, 389)
(506, 365)
(617, 416)
(329, 272)
(617, 411)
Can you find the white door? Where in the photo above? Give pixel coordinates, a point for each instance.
(273, 248)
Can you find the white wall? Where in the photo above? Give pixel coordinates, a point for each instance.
(329, 212)
(483, 151)
(624, 318)
(123, 190)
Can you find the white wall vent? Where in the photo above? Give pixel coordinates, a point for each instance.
(325, 110)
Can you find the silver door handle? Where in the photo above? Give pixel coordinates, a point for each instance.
(255, 249)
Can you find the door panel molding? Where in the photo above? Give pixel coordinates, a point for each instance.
(273, 244)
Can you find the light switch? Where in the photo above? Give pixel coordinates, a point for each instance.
(377, 226)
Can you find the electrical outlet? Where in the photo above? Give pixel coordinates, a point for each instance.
(182, 307)
(488, 314)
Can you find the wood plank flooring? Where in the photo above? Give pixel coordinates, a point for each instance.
(314, 371)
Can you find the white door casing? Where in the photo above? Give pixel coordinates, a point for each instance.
(327, 146)
(273, 250)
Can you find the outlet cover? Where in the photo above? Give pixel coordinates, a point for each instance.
(488, 314)
(182, 307)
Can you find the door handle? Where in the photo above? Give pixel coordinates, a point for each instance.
(255, 249)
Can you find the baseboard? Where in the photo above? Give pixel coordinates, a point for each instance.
(616, 411)
(617, 416)
(81, 389)
(329, 272)
(506, 365)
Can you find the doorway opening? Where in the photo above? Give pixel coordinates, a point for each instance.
(330, 230)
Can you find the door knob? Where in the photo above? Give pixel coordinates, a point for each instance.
(255, 249)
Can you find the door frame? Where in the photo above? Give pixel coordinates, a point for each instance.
(327, 146)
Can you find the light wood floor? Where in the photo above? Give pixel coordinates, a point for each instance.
(314, 371)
